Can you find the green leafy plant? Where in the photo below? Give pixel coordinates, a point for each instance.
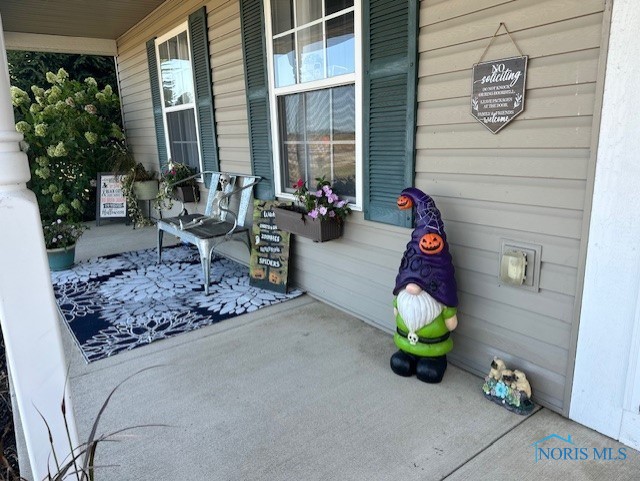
(60, 234)
(138, 173)
(175, 175)
(177, 172)
(71, 131)
(321, 203)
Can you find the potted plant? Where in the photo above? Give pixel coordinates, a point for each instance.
(139, 184)
(60, 239)
(178, 181)
(318, 214)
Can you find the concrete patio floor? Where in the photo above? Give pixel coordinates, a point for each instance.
(303, 391)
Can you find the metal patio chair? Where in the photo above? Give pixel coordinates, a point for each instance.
(224, 218)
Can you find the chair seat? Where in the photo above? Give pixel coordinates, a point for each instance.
(209, 230)
(223, 218)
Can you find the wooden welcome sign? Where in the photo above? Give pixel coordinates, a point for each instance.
(269, 264)
(498, 91)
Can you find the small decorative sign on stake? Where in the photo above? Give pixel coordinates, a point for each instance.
(269, 263)
(498, 88)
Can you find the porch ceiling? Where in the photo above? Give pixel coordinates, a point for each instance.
(104, 19)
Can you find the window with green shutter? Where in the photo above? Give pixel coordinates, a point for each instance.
(181, 92)
(339, 92)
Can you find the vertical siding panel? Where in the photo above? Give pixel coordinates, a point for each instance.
(225, 48)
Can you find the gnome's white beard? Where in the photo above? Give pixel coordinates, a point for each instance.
(417, 310)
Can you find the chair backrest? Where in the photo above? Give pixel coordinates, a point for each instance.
(233, 185)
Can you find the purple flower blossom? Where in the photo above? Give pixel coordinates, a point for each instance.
(322, 210)
(341, 204)
(327, 189)
(313, 214)
(332, 213)
(319, 193)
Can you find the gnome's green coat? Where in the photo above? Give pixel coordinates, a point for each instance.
(433, 330)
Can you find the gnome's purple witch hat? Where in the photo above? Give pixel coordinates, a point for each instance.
(433, 272)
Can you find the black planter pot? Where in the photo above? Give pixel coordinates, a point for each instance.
(187, 193)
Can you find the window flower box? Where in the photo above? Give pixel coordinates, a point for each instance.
(295, 220)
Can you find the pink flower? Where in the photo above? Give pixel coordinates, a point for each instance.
(298, 184)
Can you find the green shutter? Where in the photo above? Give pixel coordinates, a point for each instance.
(203, 89)
(157, 103)
(255, 70)
(389, 110)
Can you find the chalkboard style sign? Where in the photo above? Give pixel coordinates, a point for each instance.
(269, 264)
(111, 203)
(498, 91)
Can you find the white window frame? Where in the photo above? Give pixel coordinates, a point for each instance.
(348, 79)
(184, 27)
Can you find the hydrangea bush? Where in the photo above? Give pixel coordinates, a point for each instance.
(71, 132)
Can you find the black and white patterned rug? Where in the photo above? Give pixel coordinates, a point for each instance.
(119, 302)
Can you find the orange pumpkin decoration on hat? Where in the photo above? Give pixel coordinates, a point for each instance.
(431, 243)
(404, 202)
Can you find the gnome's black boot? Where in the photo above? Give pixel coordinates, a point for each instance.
(403, 364)
(431, 369)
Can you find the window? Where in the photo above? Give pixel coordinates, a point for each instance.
(178, 98)
(314, 80)
(385, 99)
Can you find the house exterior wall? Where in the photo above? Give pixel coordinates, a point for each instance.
(528, 183)
(227, 76)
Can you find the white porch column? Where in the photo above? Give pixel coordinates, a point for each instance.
(28, 314)
(610, 303)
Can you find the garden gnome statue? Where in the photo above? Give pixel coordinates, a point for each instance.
(426, 298)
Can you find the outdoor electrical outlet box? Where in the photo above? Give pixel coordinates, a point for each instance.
(513, 267)
(520, 264)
